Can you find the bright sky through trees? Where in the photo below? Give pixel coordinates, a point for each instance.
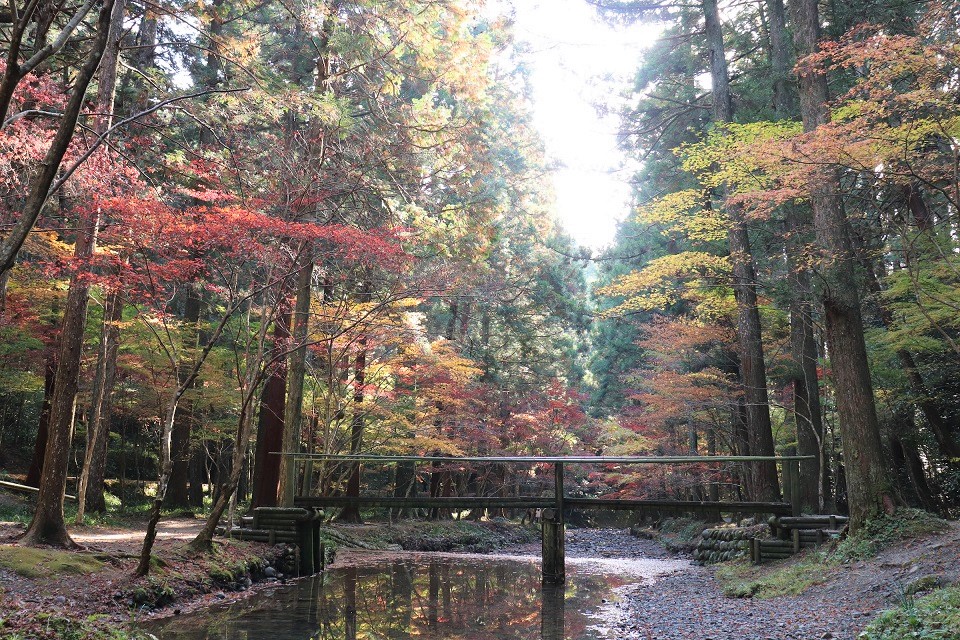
(578, 61)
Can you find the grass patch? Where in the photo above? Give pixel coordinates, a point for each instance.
(40, 563)
(935, 616)
(793, 577)
(15, 509)
(740, 580)
(880, 533)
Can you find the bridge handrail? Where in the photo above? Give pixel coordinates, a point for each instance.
(541, 459)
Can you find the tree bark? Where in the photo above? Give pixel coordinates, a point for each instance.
(293, 408)
(177, 492)
(781, 61)
(765, 485)
(352, 512)
(48, 525)
(803, 371)
(266, 467)
(43, 424)
(106, 93)
(92, 476)
(869, 491)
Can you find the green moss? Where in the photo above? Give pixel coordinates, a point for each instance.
(880, 533)
(156, 592)
(926, 583)
(932, 617)
(39, 563)
(98, 627)
(225, 574)
(741, 580)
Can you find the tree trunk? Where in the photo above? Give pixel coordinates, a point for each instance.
(764, 485)
(48, 526)
(48, 169)
(293, 408)
(352, 512)
(198, 472)
(204, 538)
(868, 485)
(925, 401)
(806, 390)
(166, 468)
(177, 492)
(803, 372)
(43, 424)
(91, 483)
(781, 62)
(102, 388)
(266, 468)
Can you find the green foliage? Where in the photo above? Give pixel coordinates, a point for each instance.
(935, 616)
(880, 533)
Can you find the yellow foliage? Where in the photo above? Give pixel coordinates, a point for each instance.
(683, 213)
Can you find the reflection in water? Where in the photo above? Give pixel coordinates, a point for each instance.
(449, 598)
(552, 612)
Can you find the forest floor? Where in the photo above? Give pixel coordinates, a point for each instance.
(808, 597)
(51, 594)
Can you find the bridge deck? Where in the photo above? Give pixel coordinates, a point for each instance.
(493, 502)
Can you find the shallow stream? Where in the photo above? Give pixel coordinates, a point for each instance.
(428, 596)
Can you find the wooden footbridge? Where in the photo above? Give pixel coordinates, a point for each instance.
(553, 507)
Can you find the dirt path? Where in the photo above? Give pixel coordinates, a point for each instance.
(117, 539)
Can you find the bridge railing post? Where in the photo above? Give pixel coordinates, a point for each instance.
(290, 489)
(791, 485)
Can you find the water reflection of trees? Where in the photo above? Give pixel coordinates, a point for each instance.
(442, 599)
(437, 600)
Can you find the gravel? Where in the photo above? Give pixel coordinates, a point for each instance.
(689, 604)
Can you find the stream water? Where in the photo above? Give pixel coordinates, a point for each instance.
(429, 596)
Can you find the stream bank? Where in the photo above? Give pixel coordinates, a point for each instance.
(52, 594)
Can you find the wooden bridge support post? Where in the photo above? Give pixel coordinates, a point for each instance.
(554, 571)
(307, 535)
(554, 533)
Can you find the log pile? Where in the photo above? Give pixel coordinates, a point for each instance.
(723, 543)
(791, 534)
(275, 525)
